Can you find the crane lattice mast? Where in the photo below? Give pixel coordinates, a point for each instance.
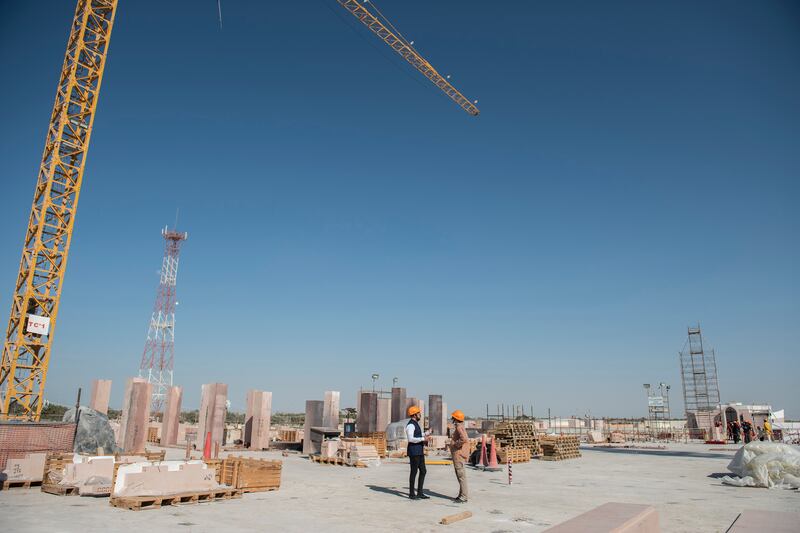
(397, 43)
(159, 348)
(37, 292)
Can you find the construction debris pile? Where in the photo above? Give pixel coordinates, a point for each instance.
(765, 464)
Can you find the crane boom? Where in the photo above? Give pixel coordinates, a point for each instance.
(405, 50)
(37, 292)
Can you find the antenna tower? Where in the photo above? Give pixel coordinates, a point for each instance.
(159, 348)
(700, 385)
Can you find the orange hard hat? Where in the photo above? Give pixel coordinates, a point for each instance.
(458, 415)
(413, 410)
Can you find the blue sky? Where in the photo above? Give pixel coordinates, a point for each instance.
(634, 171)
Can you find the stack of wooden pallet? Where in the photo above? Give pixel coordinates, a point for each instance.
(289, 435)
(517, 434)
(517, 455)
(560, 447)
(376, 439)
(251, 475)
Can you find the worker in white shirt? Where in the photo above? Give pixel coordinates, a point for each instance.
(416, 454)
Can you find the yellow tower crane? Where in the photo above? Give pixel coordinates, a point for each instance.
(400, 45)
(37, 292)
(34, 310)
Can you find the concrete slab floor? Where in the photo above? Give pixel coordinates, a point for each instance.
(681, 482)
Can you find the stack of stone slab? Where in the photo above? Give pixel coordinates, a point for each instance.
(560, 447)
(153, 484)
(71, 473)
(24, 471)
(363, 455)
(377, 439)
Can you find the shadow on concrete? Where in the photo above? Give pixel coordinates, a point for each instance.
(661, 453)
(404, 494)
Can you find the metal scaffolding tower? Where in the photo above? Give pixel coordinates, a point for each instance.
(658, 412)
(700, 385)
(159, 348)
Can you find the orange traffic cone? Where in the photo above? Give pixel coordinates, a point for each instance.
(484, 456)
(492, 466)
(207, 446)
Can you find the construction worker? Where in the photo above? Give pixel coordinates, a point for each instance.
(416, 454)
(459, 448)
(768, 429)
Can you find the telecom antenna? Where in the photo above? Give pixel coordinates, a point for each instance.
(159, 348)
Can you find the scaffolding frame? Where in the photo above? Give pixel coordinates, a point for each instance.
(700, 384)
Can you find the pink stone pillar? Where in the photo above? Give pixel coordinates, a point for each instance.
(257, 420)
(330, 409)
(101, 392)
(384, 413)
(172, 415)
(135, 415)
(212, 413)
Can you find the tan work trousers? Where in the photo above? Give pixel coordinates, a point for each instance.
(461, 475)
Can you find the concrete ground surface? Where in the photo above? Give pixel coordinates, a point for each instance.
(682, 482)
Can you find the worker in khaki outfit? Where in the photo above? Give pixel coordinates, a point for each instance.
(459, 448)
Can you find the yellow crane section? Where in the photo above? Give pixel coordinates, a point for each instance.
(34, 310)
(399, 45)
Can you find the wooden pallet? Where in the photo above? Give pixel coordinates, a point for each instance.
(19, 484)
(517, 455)
(251, 474)
(139, 503)
(558, 457)
(339, 461)
(377, 439)
(59, 490)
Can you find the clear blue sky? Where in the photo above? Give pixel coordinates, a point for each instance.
(634, 171)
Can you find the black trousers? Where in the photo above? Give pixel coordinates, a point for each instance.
(417, 466)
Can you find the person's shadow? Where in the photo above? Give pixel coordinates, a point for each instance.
(395, 492)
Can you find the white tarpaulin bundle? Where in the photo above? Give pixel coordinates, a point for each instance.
(765, 464)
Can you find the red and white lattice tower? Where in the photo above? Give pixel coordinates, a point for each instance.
(159, 348)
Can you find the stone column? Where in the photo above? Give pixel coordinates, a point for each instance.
(435, 414)
(172, 415)
(314, 413)
(367, 420)
(101, 392)
(257, 420)
(384, 414)
(330, 409)
(135, 415)
(398, 404)
(212, 414)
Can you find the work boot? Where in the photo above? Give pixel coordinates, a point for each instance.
(422, 496)
(412, 496)
(459, 500)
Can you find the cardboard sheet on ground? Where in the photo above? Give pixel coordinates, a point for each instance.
(765, 464)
